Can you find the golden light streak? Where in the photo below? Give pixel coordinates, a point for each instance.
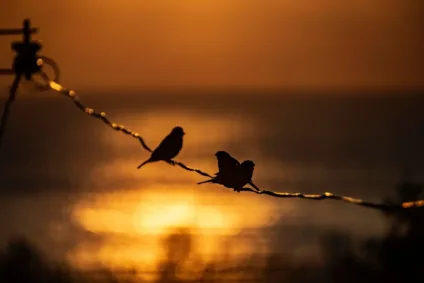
(413, 203)
(55, 86)
(134, 223)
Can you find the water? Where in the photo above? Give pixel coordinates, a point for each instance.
(71, 185)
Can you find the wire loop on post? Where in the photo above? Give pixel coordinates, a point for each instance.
(45, 85)
(26, 64)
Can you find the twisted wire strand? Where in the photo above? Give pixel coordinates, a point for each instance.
(102, 116)
(7, 71)
(327, 195)
(14, 31)
(8, 105)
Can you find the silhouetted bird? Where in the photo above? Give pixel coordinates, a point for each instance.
(226, 163)
(231, 173)
(226, 166)
(168, 148)
(244, 175)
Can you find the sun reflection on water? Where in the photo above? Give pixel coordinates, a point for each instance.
(134, 223)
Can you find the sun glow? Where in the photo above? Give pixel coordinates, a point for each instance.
(159, 219)
(153, 213)
(134, 223)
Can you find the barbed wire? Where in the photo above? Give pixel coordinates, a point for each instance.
(102, 116)
(27, 63)
(117, 127)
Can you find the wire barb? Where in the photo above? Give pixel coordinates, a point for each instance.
(102, 116)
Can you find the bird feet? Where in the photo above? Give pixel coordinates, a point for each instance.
(171, 162)
(237, 190)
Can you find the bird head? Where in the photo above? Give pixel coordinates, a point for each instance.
(221, 154)
(248, 164)
(247, 168)
(178, 131)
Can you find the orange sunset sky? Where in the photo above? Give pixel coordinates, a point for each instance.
(187, 43)
(70, 183)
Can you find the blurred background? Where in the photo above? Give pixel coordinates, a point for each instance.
(323, 96)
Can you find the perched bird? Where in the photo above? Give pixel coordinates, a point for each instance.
(243, 176)
(169, 147)
(226, 166)
(226, 163)
(231, 173)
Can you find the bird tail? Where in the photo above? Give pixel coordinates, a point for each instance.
(207, 181)
(144, 163)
